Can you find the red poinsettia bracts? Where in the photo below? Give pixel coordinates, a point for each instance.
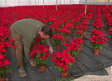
(3, 61)
(79, 33)
(78, 40)
(98, 24)
(73, 47)
(97, 33)
(62, 60)
(85, 22)
(68, 25)
(39, 49)
(58, 37)
(110, 30)
(97, 39)
(64, 30)
(81, 27)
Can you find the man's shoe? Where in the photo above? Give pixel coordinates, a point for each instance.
(22, 71)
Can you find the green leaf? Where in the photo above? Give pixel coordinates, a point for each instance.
(70, 63)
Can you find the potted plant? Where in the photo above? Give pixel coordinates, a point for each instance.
(72, 48)
(81, 28)
(39, 55)
(110, 32)
(79, 34)
(65, 32)
(69, 26)
(78, 40)
(97, 40)
(54, 27)
(58, 40)
(98, 24)
(62, 61)
(4, 67)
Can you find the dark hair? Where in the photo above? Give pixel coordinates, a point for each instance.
(47, 30)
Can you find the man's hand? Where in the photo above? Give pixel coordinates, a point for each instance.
(50, 49)
(32, 63)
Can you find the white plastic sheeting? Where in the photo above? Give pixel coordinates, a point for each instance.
(4, 3)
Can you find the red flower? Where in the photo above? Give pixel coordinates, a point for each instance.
(53, 59)
(13, 47)
(110, 30)
(63, 58)
(65, 67)
(45, 50)
(58, 37)
(6, 62)
(67, 61)
(3, 50)
(2, 56)
(43, 57)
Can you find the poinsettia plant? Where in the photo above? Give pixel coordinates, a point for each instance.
(40, 40)
(97, 39)
(69, 26)
(39, 55)
(62, 60)
(98, 24)
(79, 34)
(82, 28)
(58, 39)
(109, 23)
(65, 32)
(72, 48)
(78, 40)
(4, 65)
(110, 31)
(54, 27)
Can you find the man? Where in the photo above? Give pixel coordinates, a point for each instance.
(28, 29)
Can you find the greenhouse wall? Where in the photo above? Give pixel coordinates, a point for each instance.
(96, 2)
(4, 3)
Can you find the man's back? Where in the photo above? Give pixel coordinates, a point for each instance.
(27, 28)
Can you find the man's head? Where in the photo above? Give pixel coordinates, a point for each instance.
(45, 32)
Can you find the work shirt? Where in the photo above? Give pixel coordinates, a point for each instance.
(28, 29)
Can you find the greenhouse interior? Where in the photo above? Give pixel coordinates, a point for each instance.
(55, 40)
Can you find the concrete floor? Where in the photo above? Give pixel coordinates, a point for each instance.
(97, 77)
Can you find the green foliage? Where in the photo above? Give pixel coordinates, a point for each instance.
(41, 41)
(95, 45)
(111, 35)
(49, 23)
(71, 28)
(79, 36)
(55, 31)
(57, 42)
(61, 68)
(39, 61)
(76, 23)
(65, 35)
(73, 53)
(3, 70)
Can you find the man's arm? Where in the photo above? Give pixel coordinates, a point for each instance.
(47, 42)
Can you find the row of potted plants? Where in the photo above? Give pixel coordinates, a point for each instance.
(97, 37)
(108, 20)
(4, 45)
